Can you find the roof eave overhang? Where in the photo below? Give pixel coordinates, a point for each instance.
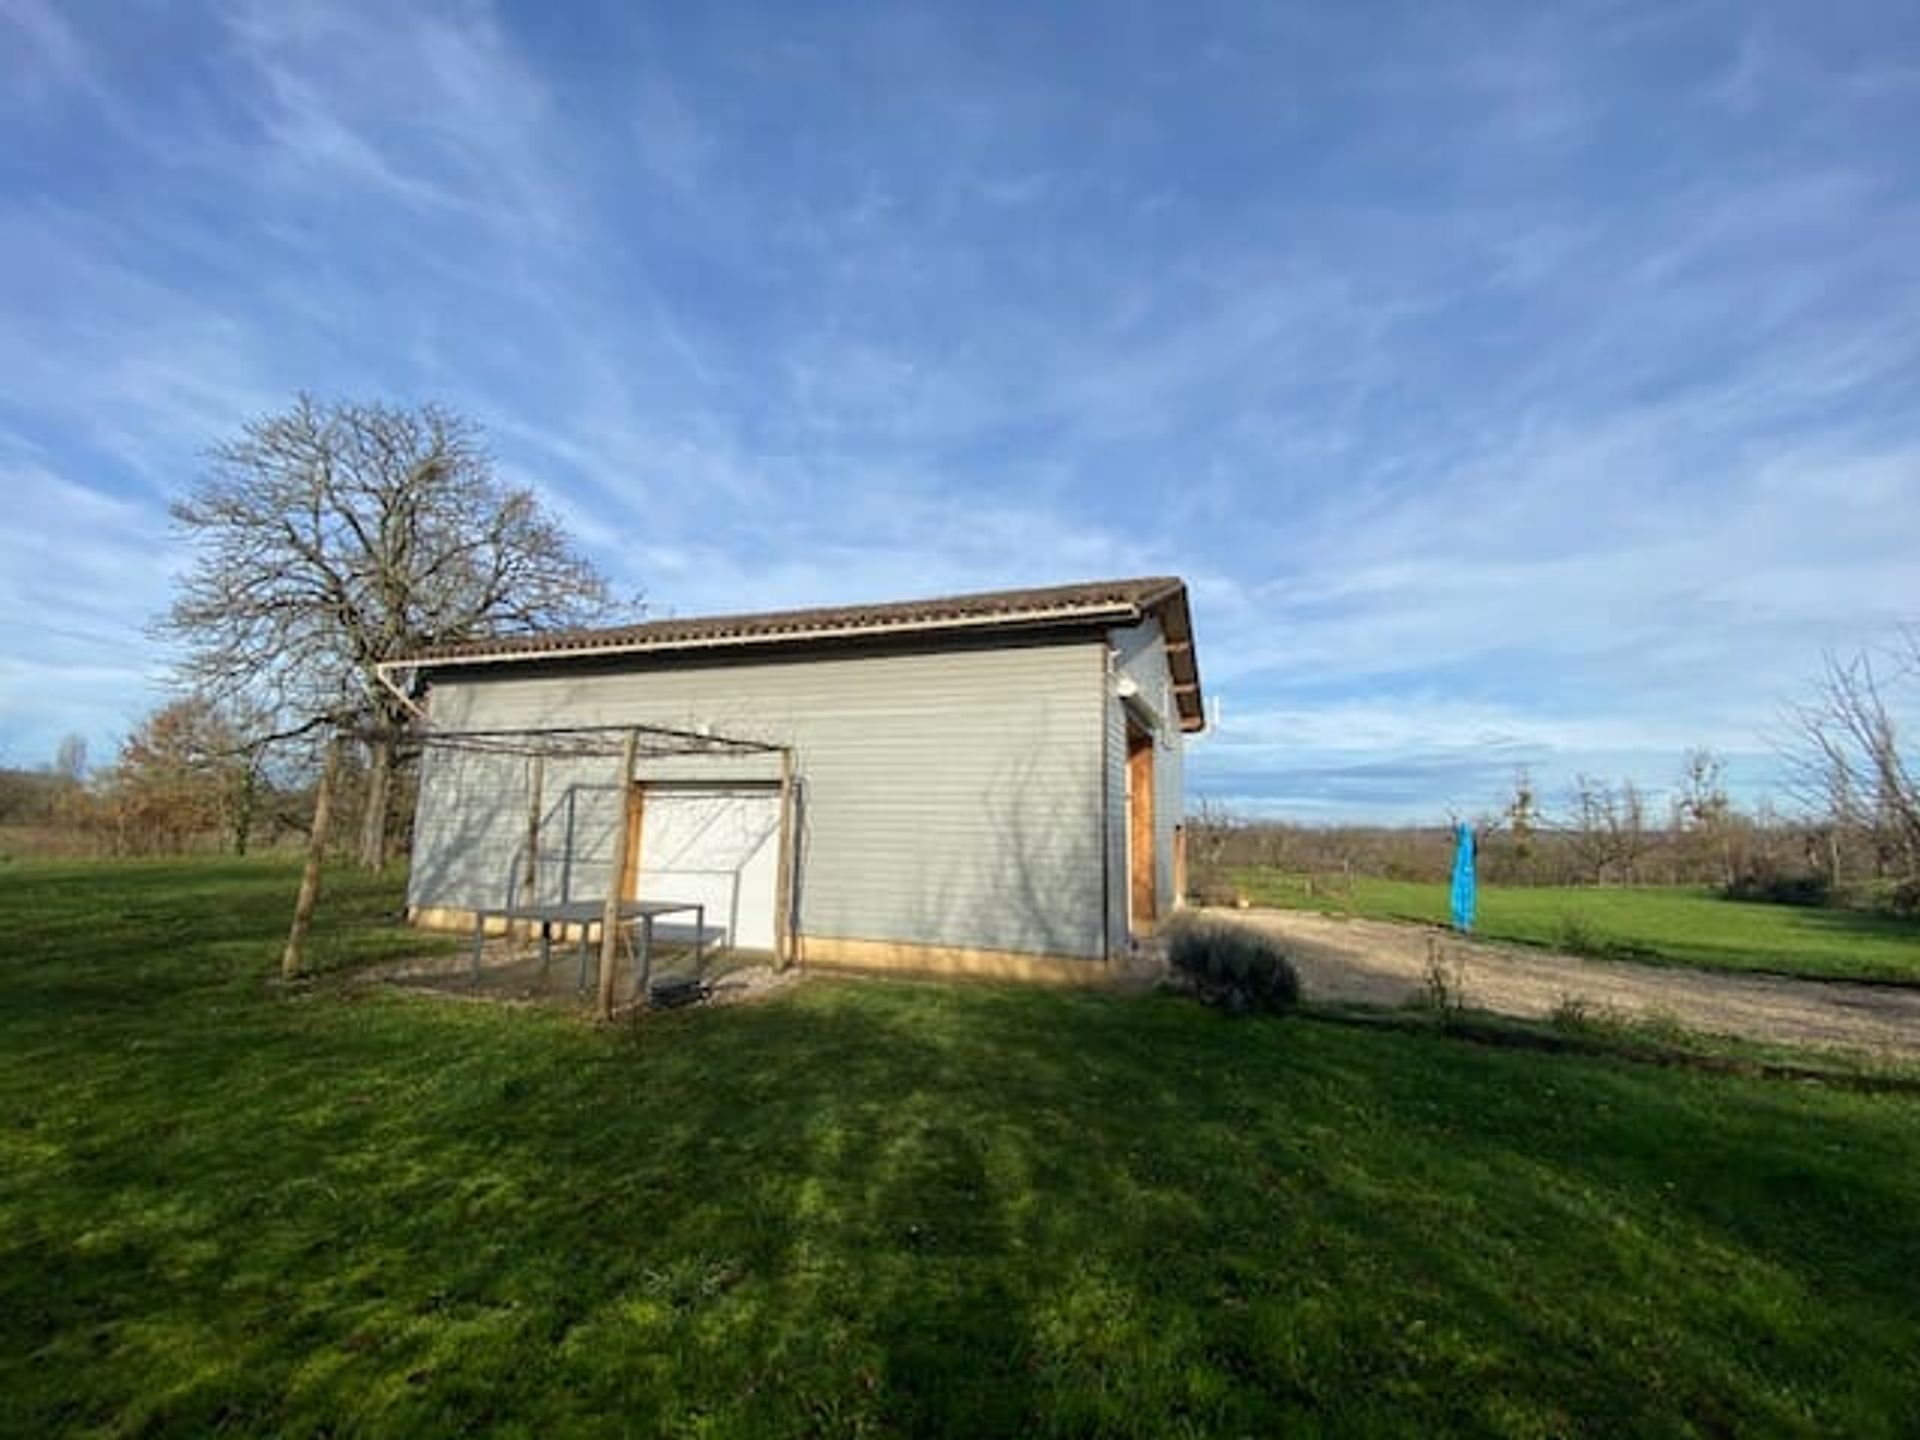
(1169, 606)
(1176, 627)
(1089, 615)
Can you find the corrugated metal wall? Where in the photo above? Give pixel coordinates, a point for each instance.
(950, 798)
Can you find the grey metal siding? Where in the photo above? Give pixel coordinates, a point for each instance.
(470, 828)
(947, 797)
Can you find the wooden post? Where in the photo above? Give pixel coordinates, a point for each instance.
(316, 854)
(635, 821)
(783, 937)
(530, 876)
(610, 913)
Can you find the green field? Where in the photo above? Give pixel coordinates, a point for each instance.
(886, 1209)
(1659, 925)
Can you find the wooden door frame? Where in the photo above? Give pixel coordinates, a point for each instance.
(635, 821)
(1143, 860)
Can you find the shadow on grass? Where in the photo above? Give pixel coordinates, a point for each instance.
(907, 1209)
(1842, 920)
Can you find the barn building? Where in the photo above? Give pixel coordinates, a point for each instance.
(984, 784)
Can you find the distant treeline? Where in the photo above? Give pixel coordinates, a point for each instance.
(189, 780)
(1852, 836)
(1606, 834)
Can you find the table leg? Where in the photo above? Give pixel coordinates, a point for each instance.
(582, 985)
(546, 947)
(699, 939)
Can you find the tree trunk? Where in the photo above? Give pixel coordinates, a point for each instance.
(243, 811)
(291, 962)
(373, 820)
(610, 910)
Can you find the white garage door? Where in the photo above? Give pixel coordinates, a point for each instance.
(720, 847)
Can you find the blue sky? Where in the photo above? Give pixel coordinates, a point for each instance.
(1514, 384)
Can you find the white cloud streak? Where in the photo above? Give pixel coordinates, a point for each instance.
(1534, 390)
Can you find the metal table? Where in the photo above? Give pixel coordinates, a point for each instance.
(592, 912)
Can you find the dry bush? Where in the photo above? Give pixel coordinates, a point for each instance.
(1235, 967)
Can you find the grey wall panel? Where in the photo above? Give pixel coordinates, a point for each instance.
(948, 798)
(470, 829)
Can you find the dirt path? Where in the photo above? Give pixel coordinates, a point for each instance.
(1379, 963)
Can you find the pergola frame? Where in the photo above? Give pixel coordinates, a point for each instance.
(631, 743)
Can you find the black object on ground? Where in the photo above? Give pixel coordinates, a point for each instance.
(670, 992)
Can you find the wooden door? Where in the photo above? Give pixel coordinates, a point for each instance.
(1143, 905)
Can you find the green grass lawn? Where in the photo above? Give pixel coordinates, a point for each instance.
(1659, 925)
(886, 1209)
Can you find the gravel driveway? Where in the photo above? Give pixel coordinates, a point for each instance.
(1379, 963)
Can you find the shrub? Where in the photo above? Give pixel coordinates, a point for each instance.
(1233, 966)
(1577, 936)
(1577, 1015)
(1774, 888)
(1881, 895)
(1446, 981)
(1216, 892)
(1573, 1014)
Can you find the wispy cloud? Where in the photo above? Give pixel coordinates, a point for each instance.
(1516, 387)
(79, 572)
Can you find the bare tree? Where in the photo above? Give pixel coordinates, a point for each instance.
(1521, 819)
(174, 778)
(1210, 832)
(1850, 758)
(336, 536)
(1587, 826)
(1609, 828)
(1702, 813)
(1632, 839)
(70, 758)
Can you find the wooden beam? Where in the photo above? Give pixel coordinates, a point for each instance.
(530, 874)
(636, 832)
(899, 957)
(290, 959)
(1142, 861)
(872, 956)
(610, 911)
(446, 917)
(458, 921)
